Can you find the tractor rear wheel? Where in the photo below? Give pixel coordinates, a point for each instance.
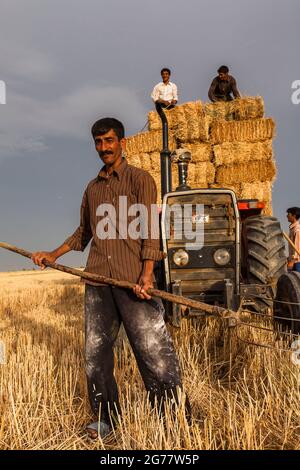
(264, 255)
(287, 302)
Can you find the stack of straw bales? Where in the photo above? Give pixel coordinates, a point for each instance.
(231, 146)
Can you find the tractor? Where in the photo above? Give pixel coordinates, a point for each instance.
(241, 258)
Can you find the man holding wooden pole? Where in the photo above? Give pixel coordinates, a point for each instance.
(293, 216)
(114, 253)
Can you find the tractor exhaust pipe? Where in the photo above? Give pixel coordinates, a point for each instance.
(165, 155)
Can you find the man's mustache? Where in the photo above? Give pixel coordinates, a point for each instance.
(107, 152)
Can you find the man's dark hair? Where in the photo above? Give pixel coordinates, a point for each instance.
(105, 125)
(294, 211)
(165, 69)
(223, 69)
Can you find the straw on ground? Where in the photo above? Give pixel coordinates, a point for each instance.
(249, 397)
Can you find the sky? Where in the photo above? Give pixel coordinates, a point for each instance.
(67, 63)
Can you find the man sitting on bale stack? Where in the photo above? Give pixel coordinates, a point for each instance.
(223, 86)
(165, 94)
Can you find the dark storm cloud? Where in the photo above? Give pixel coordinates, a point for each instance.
(66, 63)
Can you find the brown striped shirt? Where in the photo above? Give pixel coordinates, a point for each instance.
(120, 258)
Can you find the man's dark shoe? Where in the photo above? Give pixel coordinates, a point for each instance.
(98, 429)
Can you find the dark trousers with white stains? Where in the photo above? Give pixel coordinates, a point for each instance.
(105, 308)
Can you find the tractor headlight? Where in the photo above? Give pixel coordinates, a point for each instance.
(222, 257)
(181, 258)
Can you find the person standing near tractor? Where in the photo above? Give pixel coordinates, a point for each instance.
(223, 86)
(165, 93)
(123, 258)
(293, 216)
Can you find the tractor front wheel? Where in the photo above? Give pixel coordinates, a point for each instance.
(264, 258)
(287, 302)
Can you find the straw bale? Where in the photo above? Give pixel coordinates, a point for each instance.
(252, 172)
(155, 160)
(146, 142)
(218, 111)
(192, 112)
(192, 174)
(155, 170)
(230, 153)
(134, 160)
(204, 174)
(268, 210)
(261, 190)
(154, 121)
(203, 122)
(247, 107)
(156, 174)
(197, 122)
(201, 152)
(204, 128)
(145, 161)
(180, 126)
(252, 130)
(188, 121)
(236, 188)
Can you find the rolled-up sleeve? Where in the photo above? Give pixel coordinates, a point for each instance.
(147, 195)
(175, 92)
(83, 234)
(155, 93)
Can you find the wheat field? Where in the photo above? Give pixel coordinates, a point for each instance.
(242, 396)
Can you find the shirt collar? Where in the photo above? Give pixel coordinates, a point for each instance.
(117, 171)
(224, 81)
(294, 224)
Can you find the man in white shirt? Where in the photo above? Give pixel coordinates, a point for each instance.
(165, 94)
(293, 216)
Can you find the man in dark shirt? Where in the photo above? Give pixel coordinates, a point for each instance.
(223, 86)
(118, 253)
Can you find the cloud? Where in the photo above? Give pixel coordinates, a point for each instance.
(24, 62)
(27, 122)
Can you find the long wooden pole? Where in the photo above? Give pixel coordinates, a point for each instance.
(291, 243)
(209, 309)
